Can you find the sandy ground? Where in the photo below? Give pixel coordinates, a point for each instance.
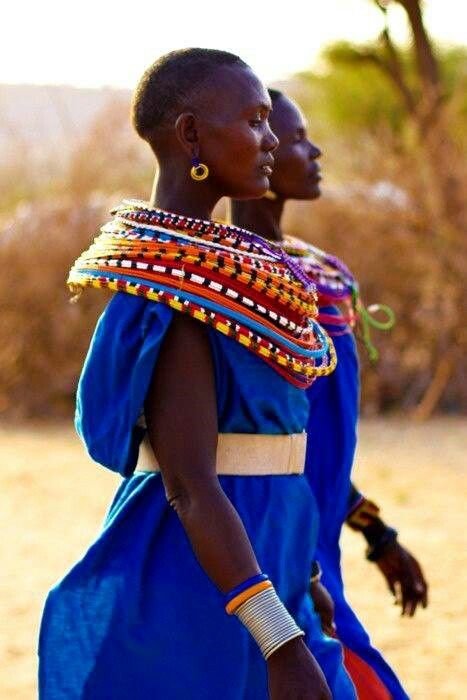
(53, 500)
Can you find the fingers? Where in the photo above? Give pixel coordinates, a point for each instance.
(409, 593)
(405, 579)
(412, 595)
(410, 600)
(409, 610)
(414, 590)
(420, 583)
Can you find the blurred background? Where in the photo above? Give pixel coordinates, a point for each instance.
(383, 85)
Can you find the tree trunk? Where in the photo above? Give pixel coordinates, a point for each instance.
(426, 61)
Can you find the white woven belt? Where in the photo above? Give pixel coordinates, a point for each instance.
(246, 454)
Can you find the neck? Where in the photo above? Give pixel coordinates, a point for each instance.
(263, 216)
(182, 195)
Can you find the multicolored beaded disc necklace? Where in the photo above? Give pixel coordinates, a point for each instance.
(336, 285)
(236, 281)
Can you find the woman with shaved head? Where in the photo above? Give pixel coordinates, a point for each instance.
(194, 391)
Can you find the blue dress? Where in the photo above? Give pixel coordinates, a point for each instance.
(332, 425)
(137, 617)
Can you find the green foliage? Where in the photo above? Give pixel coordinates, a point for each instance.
(352, 93)
(453, 64)
(401, 253)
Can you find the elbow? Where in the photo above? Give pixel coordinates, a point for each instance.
(180, 501)
(188, 497)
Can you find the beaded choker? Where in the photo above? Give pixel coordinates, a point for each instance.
(336, 285)
(239, 283)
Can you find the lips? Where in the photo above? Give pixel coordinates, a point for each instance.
(315, 175)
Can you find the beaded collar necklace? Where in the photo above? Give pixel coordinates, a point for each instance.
(336, 285)
(234, 280)
(214, 231)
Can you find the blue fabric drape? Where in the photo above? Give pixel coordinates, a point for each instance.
(137, 617)
(332, 425)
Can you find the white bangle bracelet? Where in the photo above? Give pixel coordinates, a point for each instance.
(267, 620)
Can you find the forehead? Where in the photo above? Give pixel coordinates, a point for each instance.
(235, 90)
(286, 117)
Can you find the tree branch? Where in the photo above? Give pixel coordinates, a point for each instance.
(394, 69)
(426, 60)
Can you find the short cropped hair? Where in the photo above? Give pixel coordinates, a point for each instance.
(170, 82)
(274, 94)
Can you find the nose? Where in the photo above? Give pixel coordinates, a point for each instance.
(315, 152)
(270, 140)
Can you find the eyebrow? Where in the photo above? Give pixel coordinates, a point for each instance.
(264, 107)
(261, 107)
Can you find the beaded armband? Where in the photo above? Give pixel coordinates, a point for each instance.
(258, 607)
(362, 514)
(240, 594)
(380, 543)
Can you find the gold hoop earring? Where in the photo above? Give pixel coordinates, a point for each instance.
(269, 194)
(199, 171)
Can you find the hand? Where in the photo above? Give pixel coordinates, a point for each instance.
(295, 675)
(404, 578)
(324, 606)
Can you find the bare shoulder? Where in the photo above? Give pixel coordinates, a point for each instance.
(186, 345)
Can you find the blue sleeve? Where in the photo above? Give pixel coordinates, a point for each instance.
(332, 422)
(355, 498)
(115, 379)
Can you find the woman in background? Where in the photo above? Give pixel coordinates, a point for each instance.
(334, 412)
(204, 354)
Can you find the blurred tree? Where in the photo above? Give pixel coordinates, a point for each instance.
(110, 158)
(390, 169)
(412, 102)
(428, 107)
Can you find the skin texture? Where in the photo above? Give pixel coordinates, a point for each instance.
(296, 173)
(324, 606)
(228, 129)
(296, 176)
(404, 577)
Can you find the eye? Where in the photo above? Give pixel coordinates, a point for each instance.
(256, 122)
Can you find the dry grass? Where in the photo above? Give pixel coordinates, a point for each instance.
(54, 499)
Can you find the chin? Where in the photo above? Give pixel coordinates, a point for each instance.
(254, 190)
(314, 193)
(308, 196)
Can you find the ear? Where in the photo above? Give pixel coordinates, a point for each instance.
(187, 134)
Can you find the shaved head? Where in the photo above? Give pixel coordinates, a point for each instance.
(170, 85)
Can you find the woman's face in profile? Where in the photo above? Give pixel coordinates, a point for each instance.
(297, 173)
(235, 139)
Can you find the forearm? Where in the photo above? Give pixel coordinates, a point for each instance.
(222, 547)
(181, 418)
(216, 533)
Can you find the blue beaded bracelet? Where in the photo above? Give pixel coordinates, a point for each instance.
(243, 586)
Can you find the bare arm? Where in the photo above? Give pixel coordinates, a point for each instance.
(181, 415)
